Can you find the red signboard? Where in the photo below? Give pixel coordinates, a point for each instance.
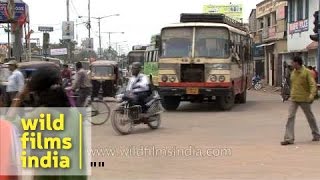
(272, 32)
(281, 13)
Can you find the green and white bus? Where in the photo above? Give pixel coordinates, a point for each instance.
(150, 65)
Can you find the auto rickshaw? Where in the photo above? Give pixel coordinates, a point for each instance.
(104, 76)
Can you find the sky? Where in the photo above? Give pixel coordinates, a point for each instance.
(139, 19)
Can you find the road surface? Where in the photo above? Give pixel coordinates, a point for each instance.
(200, 142)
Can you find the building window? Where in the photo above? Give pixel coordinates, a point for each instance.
(300, 9)
(269, 21)
(292, 11)
(307, 10)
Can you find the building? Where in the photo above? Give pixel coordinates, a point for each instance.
(271, 35)
(258, 52)
(300, 27)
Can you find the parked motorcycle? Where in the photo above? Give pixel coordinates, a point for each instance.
(256, 83)
(285, 90)
(128, 115)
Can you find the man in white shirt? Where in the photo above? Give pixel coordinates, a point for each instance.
(138, 86)
(15, 81)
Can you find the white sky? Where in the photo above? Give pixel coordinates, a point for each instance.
(139, 19)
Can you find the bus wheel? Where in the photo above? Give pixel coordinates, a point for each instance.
(243, 96)
(226, 102)
(170, 103)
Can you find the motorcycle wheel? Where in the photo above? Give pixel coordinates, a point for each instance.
(121, 123)
(154, 121)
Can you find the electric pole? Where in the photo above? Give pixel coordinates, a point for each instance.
(89, 27)
(100, 50)
(318, 62)
(69, 40)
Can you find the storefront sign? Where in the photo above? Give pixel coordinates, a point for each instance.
(299, 26)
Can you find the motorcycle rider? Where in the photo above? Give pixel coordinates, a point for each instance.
(138, 87)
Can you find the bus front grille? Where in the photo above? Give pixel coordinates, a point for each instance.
(192, 73)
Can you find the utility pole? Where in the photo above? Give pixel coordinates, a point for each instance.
(100, 50)
(89, 27)
(69, 40)
(318, 65)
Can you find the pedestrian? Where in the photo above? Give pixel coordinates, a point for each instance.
(315, 70)
(46, 86)
(303, 92)
(314, 75)
(82, 84)
(66, 72)
(15, 81)
(9, 151)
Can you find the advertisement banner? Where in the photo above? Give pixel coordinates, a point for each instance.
(58, 52)
(68, 30)
(234, 11)
(299, 26)
(281, 13)
(20, 13)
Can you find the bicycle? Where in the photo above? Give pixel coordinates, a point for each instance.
(98, 117)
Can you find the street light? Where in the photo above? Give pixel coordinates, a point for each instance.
(110, 36)
(99, 24)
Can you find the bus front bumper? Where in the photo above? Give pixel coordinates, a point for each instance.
(182, 91)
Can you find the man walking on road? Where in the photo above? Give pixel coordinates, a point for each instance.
(83, 84)
(303, 92)
(15, 81)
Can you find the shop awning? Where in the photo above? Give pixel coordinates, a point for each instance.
(263, 45)
(312, 46)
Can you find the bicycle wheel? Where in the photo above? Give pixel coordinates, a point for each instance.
(99, 113)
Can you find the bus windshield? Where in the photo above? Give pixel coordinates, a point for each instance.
(212, 42)
(136, 57)
(177, 42)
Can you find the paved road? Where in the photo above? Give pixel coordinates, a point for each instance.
(199, 142)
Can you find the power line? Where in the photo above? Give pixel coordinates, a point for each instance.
(74, 8)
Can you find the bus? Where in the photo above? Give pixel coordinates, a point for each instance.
(204, 57)
(151, 59)
(136, 55)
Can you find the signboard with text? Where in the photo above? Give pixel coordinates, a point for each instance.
(58, 52)
(20, 12)
(299, 26)
(68, 30)
(45, 29)
(234, 11)
(281, 13)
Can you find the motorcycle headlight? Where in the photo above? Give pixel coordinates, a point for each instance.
(172, 79)
(222, 78)
(164, 78)
(213, 78)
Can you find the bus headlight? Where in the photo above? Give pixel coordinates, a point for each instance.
(213, 78)
(172, 79)
(222, 78)
(164, 78)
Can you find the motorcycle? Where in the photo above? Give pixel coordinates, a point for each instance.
(128, 115)
(285, 90)
(256, 83)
